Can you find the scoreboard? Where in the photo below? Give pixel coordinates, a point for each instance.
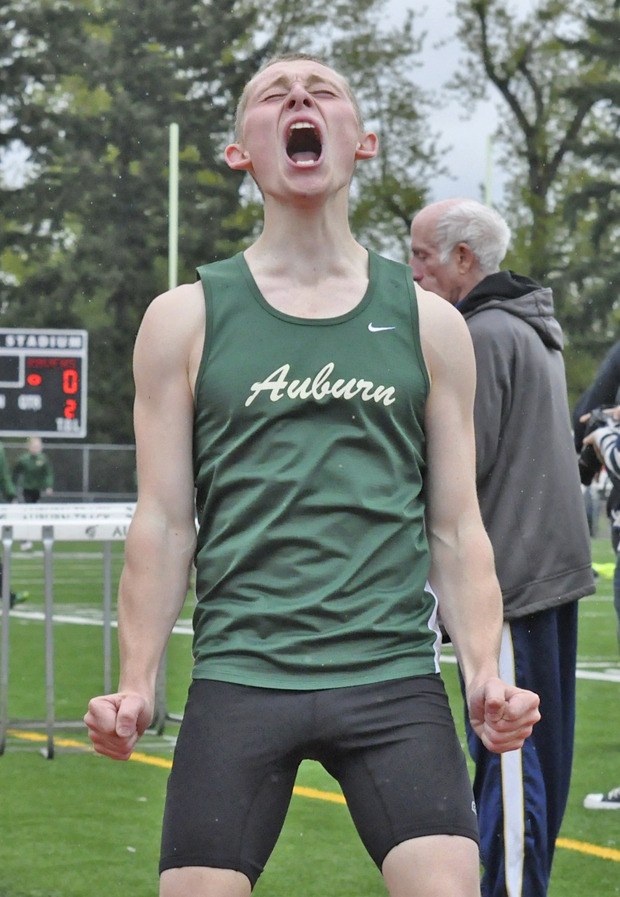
(43, 382)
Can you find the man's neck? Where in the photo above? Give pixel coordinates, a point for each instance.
(309, 275)
(303, 245)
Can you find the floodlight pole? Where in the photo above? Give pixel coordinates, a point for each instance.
(173, 207)
(488, 187)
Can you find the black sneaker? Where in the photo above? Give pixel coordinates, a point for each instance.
(609, 801)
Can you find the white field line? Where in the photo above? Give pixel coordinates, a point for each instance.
(609, 674)
(184, 627)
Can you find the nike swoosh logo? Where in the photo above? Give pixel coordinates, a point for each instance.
(374, 329)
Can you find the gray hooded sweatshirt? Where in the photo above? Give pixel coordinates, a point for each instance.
(527, 477)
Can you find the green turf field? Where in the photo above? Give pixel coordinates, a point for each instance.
(83, 825)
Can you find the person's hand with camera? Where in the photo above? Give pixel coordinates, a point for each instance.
(601, 439)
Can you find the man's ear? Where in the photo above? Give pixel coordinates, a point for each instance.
(465, 258)
(368, 147)
(237, 158)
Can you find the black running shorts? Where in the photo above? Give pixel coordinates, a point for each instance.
(392, 747)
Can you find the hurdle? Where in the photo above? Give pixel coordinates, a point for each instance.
(49, 523)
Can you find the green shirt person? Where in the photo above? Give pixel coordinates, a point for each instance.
(263, 450)
(33, 473)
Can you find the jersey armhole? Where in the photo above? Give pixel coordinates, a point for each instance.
(415, 328)
(207, 289)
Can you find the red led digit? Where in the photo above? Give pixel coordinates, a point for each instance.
(70, 381)
(70, 409)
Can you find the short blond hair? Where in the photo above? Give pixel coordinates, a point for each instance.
(289, 57)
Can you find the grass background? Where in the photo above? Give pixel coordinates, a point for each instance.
(81, 824)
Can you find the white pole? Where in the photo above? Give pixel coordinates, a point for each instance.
(173, 207)
(488, 187)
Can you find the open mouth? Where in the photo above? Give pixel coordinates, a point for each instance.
(304, 143)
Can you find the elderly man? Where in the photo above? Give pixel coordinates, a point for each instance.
(531, 503)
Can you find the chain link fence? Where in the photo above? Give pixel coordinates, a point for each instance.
(86, 472)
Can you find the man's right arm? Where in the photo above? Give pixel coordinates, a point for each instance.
(161, 539)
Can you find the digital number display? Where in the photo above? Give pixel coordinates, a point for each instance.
(43, 382)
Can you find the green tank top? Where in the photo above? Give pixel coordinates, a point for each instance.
(312, 557)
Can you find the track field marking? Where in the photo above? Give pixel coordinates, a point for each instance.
(594, 850)
(184, 627)
(86, 618)
(609, 674)
(315, 794)
(604, 853)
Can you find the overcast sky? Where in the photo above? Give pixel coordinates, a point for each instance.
(468, 136)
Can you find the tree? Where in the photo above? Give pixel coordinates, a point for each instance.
(90, 228)
(556, 74)
(89, 89)
(592, 190)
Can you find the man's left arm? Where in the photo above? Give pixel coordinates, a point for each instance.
(462, 572)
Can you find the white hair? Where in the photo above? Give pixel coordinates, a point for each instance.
(482, 228)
